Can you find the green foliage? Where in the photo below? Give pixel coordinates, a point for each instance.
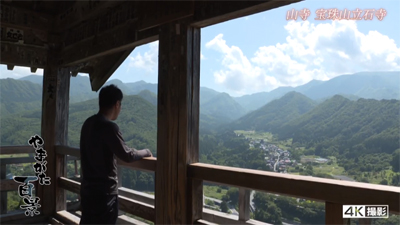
(224, 207)
(395, 161)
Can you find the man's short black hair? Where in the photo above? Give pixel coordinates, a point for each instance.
(109, 95)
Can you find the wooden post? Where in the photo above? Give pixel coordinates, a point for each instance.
(333, 214)
(55, 108)
(244, 204)
(178, 200)
(3, 204)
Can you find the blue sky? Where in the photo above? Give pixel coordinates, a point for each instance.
(265, 51)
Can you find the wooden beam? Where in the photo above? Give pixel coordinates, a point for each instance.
(55, 104)
(124, 37)
(136, 195)
(319, 189)
(8, 150)
(23, 55)
(212, 12)
(333, 214)
(16, 160)
(178, 115)
(105, 67)
(10, 67)
(70, 185)
(33, 69)
(67, 217)
(156, 13)
(3, 193)
(62, 112)
(12, 16)
(81, 11)
(244, 204)
(136, 208)
(66, 150)
(11, 185)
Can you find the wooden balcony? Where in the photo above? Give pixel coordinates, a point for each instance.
(70, 37)
(334, 193)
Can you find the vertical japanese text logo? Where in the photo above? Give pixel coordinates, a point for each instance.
(26, 187)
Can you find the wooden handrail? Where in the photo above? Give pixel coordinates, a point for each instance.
(143, 210)
(8, 150)
(146, 164)
(320, 189)
(17, 160)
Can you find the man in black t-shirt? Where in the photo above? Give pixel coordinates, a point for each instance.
(101, 142)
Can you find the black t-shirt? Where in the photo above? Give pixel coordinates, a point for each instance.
(100, 142)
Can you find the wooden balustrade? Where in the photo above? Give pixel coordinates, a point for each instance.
(334, 193)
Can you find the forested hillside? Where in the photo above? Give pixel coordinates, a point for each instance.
(274, 114)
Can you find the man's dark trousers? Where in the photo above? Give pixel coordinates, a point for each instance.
(99, 209)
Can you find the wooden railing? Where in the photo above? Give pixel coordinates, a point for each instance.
(334, 193)
(7, 185)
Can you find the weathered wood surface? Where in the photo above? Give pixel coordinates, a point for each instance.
(8, 150)
(82, 11)
(61, 138)
(120, 38)
(67, 218)
(12, 16)
(66, 150)
(11, 185)
(156, 13)
(27, 55)
(55, 106)
(69, 185)
(136, 208)
(16, 160)
(136, 195)
(102, 68)
(244, 204)
(3, 187)
(320, 189)
(177, 134)
(208, 13)
(333, 214)
(19, 217)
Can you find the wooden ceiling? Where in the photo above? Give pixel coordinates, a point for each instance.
(95, 37)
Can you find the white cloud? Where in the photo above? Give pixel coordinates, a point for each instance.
(202, 57)
(239, 73)
(310, 51)
(18, 72)
(148, 61)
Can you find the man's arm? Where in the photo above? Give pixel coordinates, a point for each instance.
(121, 150)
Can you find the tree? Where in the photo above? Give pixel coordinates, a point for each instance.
(396, 161)
(224, 207)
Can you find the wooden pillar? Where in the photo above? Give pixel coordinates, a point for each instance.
(244, 204)
(178, 200)
(55, 108)
(333, 214)
(3, 203)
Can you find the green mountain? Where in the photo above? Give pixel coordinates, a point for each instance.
(369, 85)
(339, 126)
(149, 96)
(137, 122)
(257, 100)
(206, 94)
(223, 106)
(18, 96)
(274, 114)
